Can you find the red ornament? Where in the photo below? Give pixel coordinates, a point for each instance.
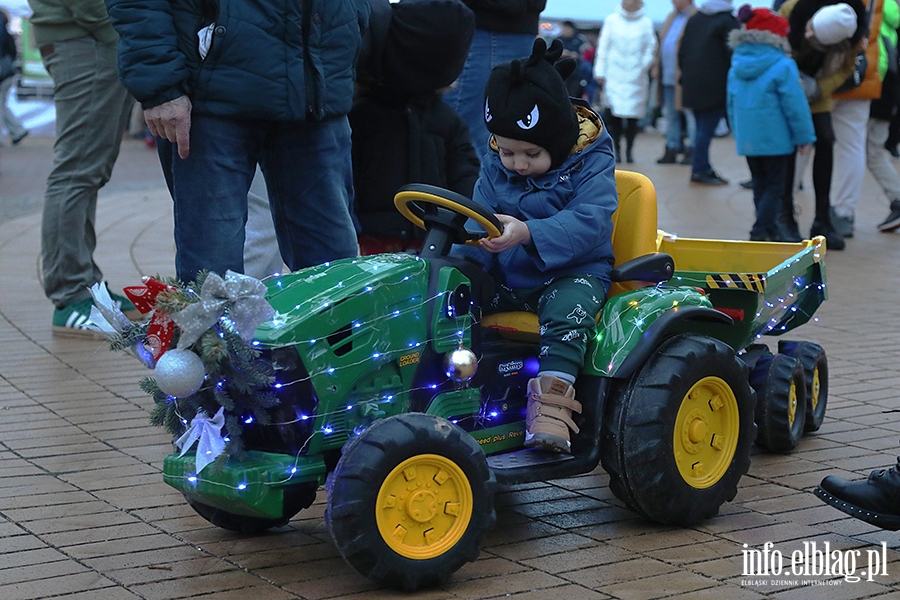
(162, 328)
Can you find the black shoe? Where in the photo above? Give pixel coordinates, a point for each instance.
(875, 500)
(688, 157)
(629, 158)
(893, 220)
(708, 178)
(833, 239)
(787, 231)
(843, 225)
(892, 148)
(747, 185)
(669, 158)
(19, 138)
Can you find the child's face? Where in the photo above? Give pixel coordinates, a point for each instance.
(524, 158)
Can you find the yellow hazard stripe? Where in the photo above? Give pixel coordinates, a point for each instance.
(755, 282)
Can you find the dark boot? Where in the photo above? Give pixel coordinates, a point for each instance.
(669, 158)
(833, 239)
(786, 228)
(875, 500)
(617, 149)
(688, 157)
(629, 157)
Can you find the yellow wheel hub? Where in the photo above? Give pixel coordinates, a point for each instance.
(816, 388)
(792, 405)
(706, 433)
(424, 506)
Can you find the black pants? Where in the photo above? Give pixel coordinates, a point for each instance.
(823, 162)
(616, 127)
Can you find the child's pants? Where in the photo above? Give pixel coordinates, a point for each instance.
(769, 178)
(567, 310)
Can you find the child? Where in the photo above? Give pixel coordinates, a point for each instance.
(402, 131)
(550, 180)
(767, 109)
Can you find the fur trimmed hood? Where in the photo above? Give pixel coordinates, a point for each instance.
(757, 36)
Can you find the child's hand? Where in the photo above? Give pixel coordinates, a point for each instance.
(515, 232)
(804, 149)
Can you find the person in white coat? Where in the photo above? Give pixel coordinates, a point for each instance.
(624, 54)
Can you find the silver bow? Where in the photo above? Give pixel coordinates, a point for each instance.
(108, 319)
(243, 296)
(208, 435)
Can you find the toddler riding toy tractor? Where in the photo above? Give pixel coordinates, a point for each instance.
(398, 394)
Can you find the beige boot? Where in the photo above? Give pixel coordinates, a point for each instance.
(549, 418)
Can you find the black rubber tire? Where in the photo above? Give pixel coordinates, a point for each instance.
(815, 369)
(639, 431)
(364, 470)
(779, 382)
(296, 498)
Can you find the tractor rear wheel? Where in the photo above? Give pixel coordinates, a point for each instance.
(677, 435)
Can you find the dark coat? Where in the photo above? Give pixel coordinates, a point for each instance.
(704, 59)
(507, 16)
(398, 140)
(282, 60)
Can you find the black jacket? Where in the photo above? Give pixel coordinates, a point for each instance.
(507, 16)
(704, 59)
(398, 139)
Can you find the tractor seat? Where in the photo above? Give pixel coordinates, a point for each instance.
(633, 237)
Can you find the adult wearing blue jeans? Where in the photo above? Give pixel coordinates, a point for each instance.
(78, 48)
(247, 84)
(665, 71)
(704, 59)
(504, 30)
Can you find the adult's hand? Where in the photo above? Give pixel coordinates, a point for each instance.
(172, 120)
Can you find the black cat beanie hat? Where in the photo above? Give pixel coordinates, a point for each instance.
(526, 99)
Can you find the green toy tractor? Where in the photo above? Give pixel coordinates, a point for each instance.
(399, 395)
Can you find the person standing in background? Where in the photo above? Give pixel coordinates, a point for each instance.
(849, 117)
(704, 59)
(504, 31)
(8, 53)
(665, 71)
(624, 54)
(78, 47)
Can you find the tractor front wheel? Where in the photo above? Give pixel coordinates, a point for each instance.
(410, 501)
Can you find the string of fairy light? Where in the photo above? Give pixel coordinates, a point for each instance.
(781, 305)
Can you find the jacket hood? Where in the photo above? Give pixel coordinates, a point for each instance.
(752, 59)
(805, 9)
(711, 7)
(742, 36)
(631, 16)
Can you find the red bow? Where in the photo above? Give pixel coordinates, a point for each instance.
(162, 328)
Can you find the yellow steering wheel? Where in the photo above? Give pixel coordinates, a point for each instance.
(428, 206)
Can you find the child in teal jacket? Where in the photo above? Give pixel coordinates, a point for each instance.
(767, 109)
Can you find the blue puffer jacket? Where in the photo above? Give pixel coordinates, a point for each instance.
(568, 210)
(282, 60)
(767, 109)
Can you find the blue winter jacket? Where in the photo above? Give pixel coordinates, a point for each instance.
(283, 60)
(767, 109)
(568, 210)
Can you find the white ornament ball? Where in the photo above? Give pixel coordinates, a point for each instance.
(460, 365)
(179, 373)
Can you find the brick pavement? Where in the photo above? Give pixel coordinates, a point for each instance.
(84, 513)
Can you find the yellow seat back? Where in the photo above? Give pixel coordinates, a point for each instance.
(634, 234)
(634, 223)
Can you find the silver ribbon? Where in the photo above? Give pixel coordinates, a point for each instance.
(108, 319)
(208, 435)
(243, 296)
